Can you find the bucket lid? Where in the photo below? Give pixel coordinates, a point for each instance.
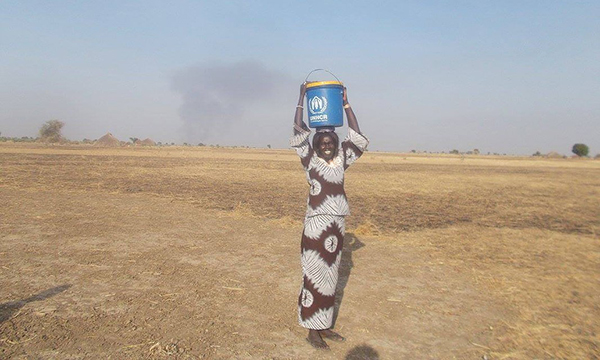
(321, 83)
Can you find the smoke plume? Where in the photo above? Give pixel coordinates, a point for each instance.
(218, 96)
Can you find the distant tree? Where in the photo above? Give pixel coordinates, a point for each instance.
(537, 153)
(476, 151)
(580, 149)
(133, 139)
(269, 146)
(51, 131)
(454, 151)
(201, 144)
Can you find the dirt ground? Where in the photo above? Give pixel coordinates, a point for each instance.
(193, 253)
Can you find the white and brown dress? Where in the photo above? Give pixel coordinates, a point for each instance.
(324, 225)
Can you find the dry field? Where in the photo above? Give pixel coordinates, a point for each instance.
(193, 253)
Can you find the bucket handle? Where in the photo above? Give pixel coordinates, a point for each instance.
(321, 70)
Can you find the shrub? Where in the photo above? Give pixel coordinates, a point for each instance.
(581, 149)
(51, 131)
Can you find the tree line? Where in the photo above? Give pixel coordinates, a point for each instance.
(51, 132)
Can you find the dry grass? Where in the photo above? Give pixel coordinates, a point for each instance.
(525, 230)
(548, 279)
(405, 195)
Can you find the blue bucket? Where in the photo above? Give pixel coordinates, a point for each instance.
(324, 103)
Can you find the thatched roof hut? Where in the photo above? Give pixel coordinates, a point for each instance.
(554, 155)
(147, 142)
(108, 140)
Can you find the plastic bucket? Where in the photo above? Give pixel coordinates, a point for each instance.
(324, 103)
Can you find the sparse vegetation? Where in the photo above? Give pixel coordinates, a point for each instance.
(18, 139)
(51, 131)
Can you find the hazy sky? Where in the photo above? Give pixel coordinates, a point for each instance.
(502, 76)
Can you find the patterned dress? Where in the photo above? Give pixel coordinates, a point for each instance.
(324, 226)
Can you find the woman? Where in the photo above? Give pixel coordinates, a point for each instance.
(323, 235)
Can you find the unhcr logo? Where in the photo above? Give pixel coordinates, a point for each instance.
(317, 105)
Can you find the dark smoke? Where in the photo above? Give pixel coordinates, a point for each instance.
(217, 96)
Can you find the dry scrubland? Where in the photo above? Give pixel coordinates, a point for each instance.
(193, 253)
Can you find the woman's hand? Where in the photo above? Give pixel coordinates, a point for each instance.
(302, 90)
(300, 110)
(345, 96)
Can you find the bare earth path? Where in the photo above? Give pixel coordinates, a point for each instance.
(100, 273)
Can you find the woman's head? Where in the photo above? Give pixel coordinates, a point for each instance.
(326, 145)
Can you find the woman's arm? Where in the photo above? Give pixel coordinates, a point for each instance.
(352, 122)
(301, 133)
(298, 123)
(356, 143)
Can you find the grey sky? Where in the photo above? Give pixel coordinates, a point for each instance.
(510, 77)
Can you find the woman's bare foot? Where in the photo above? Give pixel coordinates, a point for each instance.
(331, 335)
(315, 339)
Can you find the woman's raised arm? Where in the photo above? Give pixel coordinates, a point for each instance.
(352, 122)
(298, 123)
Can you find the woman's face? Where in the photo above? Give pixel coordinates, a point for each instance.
(326, 148)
